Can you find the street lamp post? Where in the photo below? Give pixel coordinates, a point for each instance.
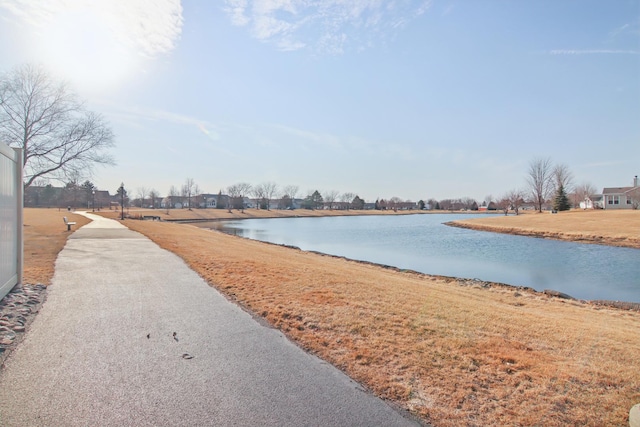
(121, 201)
(93, 200)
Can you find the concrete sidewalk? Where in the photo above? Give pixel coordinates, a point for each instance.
(130, 336)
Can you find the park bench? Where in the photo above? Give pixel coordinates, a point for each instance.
(68, 223)
(151, 217)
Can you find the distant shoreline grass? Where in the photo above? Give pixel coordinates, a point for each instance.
(197, 215)
(603, 227)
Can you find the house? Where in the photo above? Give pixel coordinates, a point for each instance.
(174, 202)
(213, 201)
(622, 197)
(249, 203)
(593, 201)
(286, 203)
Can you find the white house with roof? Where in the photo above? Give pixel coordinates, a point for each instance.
(213, 201)
(622, 197)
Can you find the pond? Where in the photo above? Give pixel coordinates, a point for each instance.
(423, 243)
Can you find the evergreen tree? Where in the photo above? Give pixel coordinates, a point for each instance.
(316, 200)
(357, 203)
(561, 201)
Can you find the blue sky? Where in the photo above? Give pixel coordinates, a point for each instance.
(414, 99)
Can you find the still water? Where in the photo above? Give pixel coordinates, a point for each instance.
(423, 243)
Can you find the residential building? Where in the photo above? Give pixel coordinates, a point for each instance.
(622, 197)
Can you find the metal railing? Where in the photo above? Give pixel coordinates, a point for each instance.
(11, 218)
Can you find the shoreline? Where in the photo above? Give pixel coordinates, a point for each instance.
(482, 221)
(212, 215)
(463, 281)
(623, 242)
(471, 223)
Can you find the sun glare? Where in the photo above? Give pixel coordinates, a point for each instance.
(81, 47)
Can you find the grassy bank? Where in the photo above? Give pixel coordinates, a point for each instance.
(451, 351)
(219, 214)
(45, 234)
(606, 227)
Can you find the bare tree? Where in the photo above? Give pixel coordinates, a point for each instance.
(259, 194)
(142, 194)
(245, 189)
(583, 191)
(154, 196)
(540, 180)
(173, 193)
(234, 194)
(562, 177)
(237, 192)
(446, 204)
(394, 202)
(516, 200)
(347, 198)
(188, 190)
(270, 188)
(469, 203)
(504, 204)
(330, 197)
(289, 193)
(44, 118)
(290, 190)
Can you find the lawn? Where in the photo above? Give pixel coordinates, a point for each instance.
(45, 234)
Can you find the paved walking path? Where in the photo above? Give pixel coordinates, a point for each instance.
(130, 336)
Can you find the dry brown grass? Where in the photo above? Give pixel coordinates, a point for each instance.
(216, 214)
(608, 227)
(454, 355)
(45, 234)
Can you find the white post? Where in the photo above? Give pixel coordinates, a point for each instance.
(20, 212)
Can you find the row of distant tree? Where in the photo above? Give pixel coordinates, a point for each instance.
(63, 141)
(560, 194)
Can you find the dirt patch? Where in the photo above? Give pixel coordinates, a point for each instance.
(453, 353)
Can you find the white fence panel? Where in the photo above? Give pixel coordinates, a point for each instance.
(11, 202)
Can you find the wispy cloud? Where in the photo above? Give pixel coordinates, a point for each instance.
(594, 52)
(140, 113)
(449, 9)
(630, 29)
(316, 138)
(346, 145)
(150, 27)
(603, 164)
(136, 116)
(327, 26)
